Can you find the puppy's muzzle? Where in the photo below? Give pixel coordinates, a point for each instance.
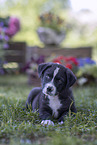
(50, 89)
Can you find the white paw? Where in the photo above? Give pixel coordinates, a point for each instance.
(47, 123)
(60, 123)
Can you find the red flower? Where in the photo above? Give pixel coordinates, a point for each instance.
(69, 66)
(57, 61)
(73, 59)
(69, 62)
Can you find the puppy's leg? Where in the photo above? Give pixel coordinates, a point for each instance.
(34, 92)
(61, 119)
(73, 111)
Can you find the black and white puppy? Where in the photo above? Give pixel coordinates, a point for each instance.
(54, 99)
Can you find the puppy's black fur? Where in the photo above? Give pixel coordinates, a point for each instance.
(62, 81)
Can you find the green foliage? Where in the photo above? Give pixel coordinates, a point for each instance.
(88, 70)
(23, 127)
(52, 21)
(29, 10)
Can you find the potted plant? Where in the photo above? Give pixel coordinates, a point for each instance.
(9, 26)
(51, 30)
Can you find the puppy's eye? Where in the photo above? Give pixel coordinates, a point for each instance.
(60, 81)
(47, 77)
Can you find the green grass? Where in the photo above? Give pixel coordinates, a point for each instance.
(18, 127)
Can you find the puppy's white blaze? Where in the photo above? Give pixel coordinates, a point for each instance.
(55, 104)
(55, 73)
(51, 83)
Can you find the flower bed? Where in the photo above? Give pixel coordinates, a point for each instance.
(69, 62)
(32, 65)
(84, 68)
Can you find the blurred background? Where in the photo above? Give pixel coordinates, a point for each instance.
(80, 16)
(69, 23)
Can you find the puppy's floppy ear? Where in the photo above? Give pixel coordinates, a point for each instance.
(42, 67)
(71, 78)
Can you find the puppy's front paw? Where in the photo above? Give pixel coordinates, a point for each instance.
(47, 123)
(61, 123)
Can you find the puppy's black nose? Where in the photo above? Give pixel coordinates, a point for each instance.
(49, 89)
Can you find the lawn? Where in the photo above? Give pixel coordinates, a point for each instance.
(18, 127)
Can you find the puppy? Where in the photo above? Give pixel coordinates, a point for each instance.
(54, 99)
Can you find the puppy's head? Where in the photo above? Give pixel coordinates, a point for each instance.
(55, 78)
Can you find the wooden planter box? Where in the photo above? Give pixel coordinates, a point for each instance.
(16, 53)
(48, 51)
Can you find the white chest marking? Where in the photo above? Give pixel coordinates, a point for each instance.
(54, 104)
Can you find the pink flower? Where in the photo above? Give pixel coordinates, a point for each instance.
(14, 27)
